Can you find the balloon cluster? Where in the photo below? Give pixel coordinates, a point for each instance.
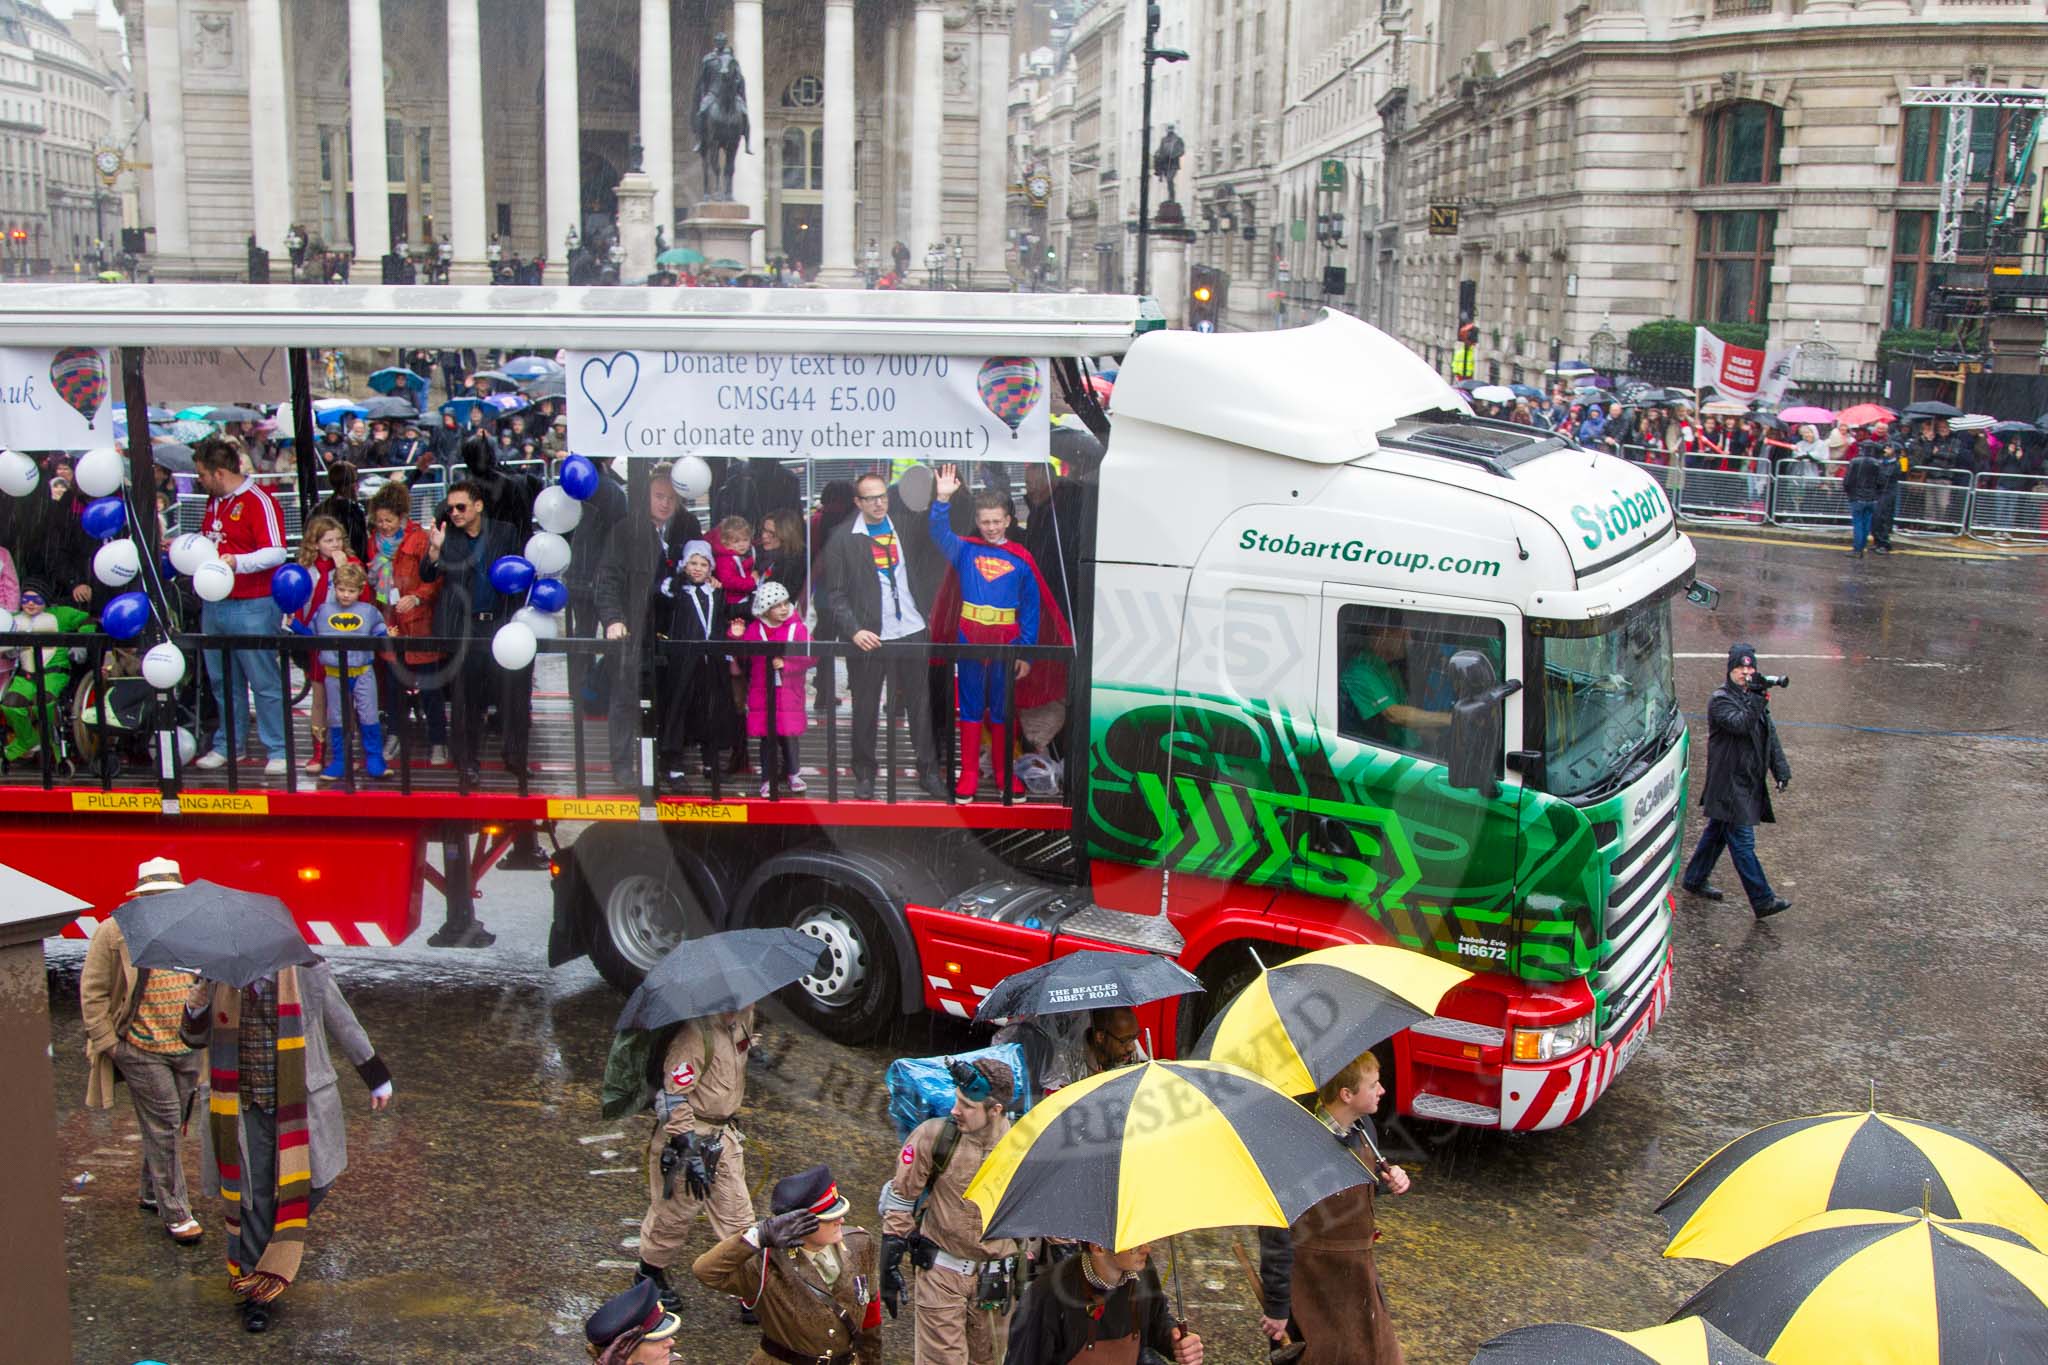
(557, 511)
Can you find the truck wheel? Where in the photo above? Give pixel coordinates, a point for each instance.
(854, 998)
(641, 905)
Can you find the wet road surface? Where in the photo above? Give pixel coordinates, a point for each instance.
(490, 1210)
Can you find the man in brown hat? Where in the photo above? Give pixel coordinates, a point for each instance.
(808, 1277)
(132, 1018)
(965, 1286)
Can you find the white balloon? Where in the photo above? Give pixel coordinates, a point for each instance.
(99, 473)
(556, 511)
(45, 623)
(691, 476)
(191, 550)
(164, 665)
(188, 746)
(6, 620)
(213, 581)
(514, 645)
(116, 563)
(548, 553)
(545, 625)
(18, 474)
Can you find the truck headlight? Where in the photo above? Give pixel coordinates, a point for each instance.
(1549, 1044)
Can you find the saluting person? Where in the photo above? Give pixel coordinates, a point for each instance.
(1319, 1280)
(809, 1278)
(964, 1284)
(695, 1157)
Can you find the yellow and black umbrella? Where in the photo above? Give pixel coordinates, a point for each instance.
(1738, 1198)
(1300, 1023)
(1141, 1153)
(1688, 1341)
(1884, 1289)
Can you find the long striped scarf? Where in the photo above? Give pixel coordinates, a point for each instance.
(294, 1154)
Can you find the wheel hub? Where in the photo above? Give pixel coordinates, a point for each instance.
(645, 919)
(846, 955)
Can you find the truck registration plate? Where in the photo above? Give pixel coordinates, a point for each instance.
(1631, 1045)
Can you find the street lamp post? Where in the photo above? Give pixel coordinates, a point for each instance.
(1152, 54)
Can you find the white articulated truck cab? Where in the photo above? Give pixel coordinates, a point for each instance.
(1391, 672)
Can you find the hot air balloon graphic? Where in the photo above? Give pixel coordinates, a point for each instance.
(1009, 386)
(80, 375)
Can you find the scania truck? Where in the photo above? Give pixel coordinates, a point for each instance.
(1348, 664)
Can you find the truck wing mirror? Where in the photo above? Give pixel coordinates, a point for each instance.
(1475, 740)
(1703, 594)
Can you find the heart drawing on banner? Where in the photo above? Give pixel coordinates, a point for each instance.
(609, 385)
(80, 375)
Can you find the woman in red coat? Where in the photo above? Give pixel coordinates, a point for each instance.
(398, 545)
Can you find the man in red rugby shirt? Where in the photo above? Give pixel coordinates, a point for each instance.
(247, 526)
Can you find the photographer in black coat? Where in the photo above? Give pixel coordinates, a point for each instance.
(1742, 746)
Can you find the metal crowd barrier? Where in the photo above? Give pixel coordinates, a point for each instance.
(1742, 493)
(1934, 505)
(1806, 498)
(2009, 507)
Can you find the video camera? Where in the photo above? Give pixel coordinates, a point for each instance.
(1764, 682)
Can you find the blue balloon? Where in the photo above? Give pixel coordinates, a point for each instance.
(105, 517)
(166, 568)
(512, 574)
(291, 587)
(549, 594)
(126, 617)
(578, 477)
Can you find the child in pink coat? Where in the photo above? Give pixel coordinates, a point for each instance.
(775, 686)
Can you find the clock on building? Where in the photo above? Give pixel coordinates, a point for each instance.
(108, 162)
(1038, 186)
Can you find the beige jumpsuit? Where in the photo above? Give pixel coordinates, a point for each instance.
(705, 1083)
(951, 1330)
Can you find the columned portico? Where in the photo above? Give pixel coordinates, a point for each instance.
(269, 123)
(993, 161)
(560, 139)
(657, 110)
(167, 131)
(368, 166)
(927, 125)
(836, 267)
(466, 144)
(749, 185)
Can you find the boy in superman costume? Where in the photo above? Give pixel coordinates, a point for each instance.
(993, 595)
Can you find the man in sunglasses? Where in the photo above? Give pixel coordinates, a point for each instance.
(460, 551)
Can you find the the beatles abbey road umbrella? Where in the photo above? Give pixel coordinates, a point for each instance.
(1688, 1341)
(1090, 980)
(1737, 1199)
(224, 935)
(1884, 1289)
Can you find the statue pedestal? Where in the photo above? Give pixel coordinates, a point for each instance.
(720, 231)
(636, 227)
(1167, 271)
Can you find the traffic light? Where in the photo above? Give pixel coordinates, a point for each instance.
(1205, 289)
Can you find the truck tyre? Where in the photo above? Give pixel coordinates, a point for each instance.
(641, 904)
(855, 998)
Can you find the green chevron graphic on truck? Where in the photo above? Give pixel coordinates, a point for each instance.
(1245, 792)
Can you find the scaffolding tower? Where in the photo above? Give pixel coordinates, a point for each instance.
(1955, 159)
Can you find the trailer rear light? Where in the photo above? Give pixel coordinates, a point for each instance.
(554, 868)
(1549, 1044)
(309, 874)
(493, 831)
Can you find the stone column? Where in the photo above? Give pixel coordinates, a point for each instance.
(657, 110)
(561, 136)
(990, 257)
(749, 187)
(836, 260)
(466, 146)
(372, 226)
(927, 127)
(637, 198)
(269, 154)
(888, 227)
(167, 131)
(1167, 273)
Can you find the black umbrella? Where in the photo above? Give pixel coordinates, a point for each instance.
(174, 457)
(385, 409)
(545, 386)
(2014, 429)
(1930, 407)
(222, 934)
(232, 413)
(720, 972)
(1092, 980)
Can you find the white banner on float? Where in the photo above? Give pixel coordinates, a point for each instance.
(55, 400)
(932, 408)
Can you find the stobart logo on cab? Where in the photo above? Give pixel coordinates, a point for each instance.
(1628, 512)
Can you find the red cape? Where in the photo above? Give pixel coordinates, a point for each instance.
(1047, 680)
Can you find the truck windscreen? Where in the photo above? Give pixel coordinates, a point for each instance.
(1606, 698)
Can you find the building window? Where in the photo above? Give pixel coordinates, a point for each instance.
(394, 150)
(1920, 139)
(817, 158)
(1732, 269)
(1742, 145)
(327, 154)
(805, 92)
(794, 145)
(1912, 255)
(426, 156)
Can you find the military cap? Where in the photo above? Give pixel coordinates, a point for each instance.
(636, 1309)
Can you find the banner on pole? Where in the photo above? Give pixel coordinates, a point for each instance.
(55, 400)
(933, 408)
(1741, 372)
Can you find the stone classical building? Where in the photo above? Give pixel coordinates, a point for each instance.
(1618, 162)
(874, 121)
(57, 112)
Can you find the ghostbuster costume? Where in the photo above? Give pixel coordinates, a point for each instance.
(1319, 1275)
(818, 1305)
(695, 1158)
(965, 1286)
(993, 595)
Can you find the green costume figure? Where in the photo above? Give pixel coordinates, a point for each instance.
(18, 702)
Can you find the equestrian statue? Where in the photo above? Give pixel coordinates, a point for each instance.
(720, 118)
